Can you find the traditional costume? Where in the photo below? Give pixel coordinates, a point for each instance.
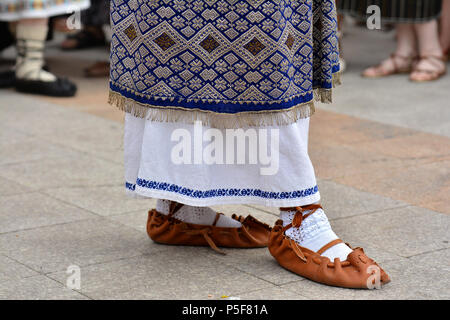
(216, 66)
(229, 64)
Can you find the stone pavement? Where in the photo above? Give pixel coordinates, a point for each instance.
(381, 154)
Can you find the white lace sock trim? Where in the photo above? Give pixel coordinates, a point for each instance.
(197, 215)
(315, 232)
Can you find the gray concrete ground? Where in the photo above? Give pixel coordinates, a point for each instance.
(62, 203)
(420, 106)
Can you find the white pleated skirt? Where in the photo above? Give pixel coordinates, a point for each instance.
(168, 161)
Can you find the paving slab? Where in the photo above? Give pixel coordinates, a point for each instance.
(30, 149)
(392, 100)
(102, 200)
(404, 232)
(37, 288)
(415, 145)
(48, 125)
(8, 187)
(411, 279)
(32, 210)
(12, 270)
(66, 171)
(81, 243)
(385, 105)
(256, 262)
(316, 291)
(10, 135)
(176, 273)
(426, 185)
(347, 130)
(341, 201)
(333, 162)
(428, 273)
(103, 140)
(34, 116)
(136, 219)
(272, 293)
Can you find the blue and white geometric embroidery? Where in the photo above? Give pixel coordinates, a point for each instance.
(224, 56)
(231, 192)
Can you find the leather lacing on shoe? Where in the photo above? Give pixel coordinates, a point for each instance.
(296, 223)
(354, 272)
(206, 231)
(250, 218)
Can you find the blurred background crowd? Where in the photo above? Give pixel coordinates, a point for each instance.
(422, 33)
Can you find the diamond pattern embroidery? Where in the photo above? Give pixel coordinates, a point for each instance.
(227, 51)
(131, 32)
(209, 44)
(290, 41)
(164, 41)
(254, 46)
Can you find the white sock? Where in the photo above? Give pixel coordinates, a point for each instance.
(315, 232)
(197, 215)
(30, 52)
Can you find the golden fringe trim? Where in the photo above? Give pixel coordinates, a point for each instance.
(224, 120)
(325, 95)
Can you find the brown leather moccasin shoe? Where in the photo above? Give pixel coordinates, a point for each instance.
(358, 271)
(168, 230)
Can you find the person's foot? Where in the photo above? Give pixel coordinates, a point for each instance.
(429, 68)
(314, 232)
(89, 37)
(197, 215)
(395, 64)
(60, 87)
(7, 79)
(30, 75)
(302, 241)
(178, 224)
